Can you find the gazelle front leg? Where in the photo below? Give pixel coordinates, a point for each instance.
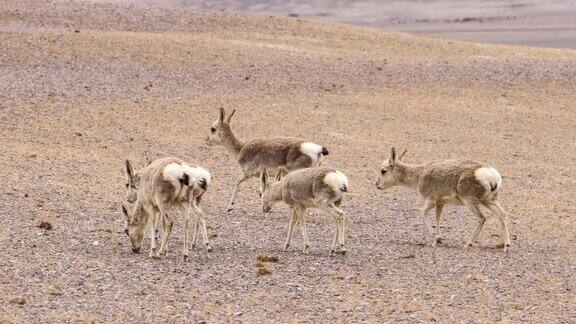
(428, 205)
(201, 222)
(161, 213)
(293, 220)
(152, 222)
(241, 178)
(167, 230)
(437, 238)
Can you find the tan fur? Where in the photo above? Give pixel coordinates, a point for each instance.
(155, 196)
(307, 188)
(446, 182)
(278, 155)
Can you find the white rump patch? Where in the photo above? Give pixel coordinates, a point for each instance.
(313, 150)
(197, 173)
(173, 172)
(489, 178)
(337, 181)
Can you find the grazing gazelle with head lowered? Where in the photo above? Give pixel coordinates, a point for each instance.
(454, 182)
(163, 184)
(278, 155)
(311, 187)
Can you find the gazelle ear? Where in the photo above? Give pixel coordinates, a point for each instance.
(401, 156)
(392, 158)
(125, 212)
(264, 177)
(129, 170)
(221, 117)
(230, 117)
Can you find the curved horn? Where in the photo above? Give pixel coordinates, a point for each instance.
(221, 117)
(230, 117)
(402, 155)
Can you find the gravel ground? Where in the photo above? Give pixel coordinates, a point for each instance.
(84, 86)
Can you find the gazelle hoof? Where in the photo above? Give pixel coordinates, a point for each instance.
(506, 247)
(184, 258)
(305, 249)
(286, 246)
(208, 247)
(230, 208)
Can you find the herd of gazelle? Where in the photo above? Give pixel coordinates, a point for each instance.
(301, 183)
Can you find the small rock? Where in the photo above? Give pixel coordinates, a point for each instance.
(263, 272)
(45, 225)
(18, 301)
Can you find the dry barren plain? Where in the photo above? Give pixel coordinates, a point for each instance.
(84, 86)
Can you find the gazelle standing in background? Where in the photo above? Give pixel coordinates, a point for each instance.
(454, 182)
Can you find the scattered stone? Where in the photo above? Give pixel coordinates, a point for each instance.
(45, 225)
(18, 301)
(267, 258)
(263, 271)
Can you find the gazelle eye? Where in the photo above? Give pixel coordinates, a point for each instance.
(127, 185)
(126, 231)
(212, 129)
(383, 171)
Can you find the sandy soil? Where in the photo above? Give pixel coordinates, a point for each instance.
(548, 23)
(84, 86)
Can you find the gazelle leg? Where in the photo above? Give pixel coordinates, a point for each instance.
(339, 217)
(336, 239)
(165, 232)
(241, 178)
(202, 223)
(499, 211)
(301, 211)
(475, 208)
(437, 238)
(152, 222)
(293, 220)
(185, 214)
(428, 205)
(196, 232)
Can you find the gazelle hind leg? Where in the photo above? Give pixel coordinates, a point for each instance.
(499, 211)
(301, 211)
(201, 222)
(475, 209)
(185, 214)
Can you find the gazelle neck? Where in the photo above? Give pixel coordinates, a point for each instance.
(230, 142)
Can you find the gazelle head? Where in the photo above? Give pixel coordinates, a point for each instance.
(132, 180)
(134, 227)
(220, 125)
(389, 176)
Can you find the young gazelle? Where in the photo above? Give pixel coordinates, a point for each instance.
(454, 182)
(311, 187)
(278, 155)
(164, 184)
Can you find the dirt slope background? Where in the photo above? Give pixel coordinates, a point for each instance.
(85, 86)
